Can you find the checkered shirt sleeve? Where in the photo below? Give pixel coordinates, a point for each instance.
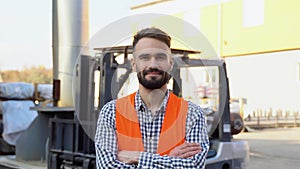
(105, 140)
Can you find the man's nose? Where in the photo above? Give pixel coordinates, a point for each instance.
(153, 62)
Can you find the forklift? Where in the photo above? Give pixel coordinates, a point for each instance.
(109, 73)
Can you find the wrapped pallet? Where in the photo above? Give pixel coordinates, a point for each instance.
(16, 90)
(45, 91)
(16, 117)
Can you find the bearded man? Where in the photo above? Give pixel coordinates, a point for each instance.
(151, 128)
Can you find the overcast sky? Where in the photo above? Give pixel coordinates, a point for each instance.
(25, 31)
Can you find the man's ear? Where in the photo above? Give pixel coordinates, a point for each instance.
(133, 65)
(171, 63)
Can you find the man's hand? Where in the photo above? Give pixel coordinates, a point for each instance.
(186, 150)
(129, 157)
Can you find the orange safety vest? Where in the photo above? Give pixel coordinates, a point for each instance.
(172, 133)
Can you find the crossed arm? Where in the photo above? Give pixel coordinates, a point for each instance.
(191, 154)
(186, 150)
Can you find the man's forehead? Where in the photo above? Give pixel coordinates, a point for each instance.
(152, 51)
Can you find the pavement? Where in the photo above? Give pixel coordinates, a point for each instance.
(276, 148)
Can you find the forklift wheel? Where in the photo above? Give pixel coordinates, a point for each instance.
(237, 123)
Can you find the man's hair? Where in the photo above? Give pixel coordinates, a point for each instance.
(152, 33)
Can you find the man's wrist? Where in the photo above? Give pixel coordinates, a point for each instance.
(129, 157)
(136, 157)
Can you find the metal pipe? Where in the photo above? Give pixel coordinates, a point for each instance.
(70, 31)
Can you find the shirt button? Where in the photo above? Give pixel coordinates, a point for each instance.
(150, 140)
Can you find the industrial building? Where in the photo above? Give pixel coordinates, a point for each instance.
(259, 40)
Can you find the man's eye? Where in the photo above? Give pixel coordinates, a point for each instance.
(161, 56)
(144, 57)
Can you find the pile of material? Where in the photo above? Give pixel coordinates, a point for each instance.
(15, 102)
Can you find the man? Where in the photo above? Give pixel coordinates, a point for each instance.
(151, 128)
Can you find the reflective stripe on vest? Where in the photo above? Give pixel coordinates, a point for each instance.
(172, 133)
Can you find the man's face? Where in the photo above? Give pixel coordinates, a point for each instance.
(152, 62)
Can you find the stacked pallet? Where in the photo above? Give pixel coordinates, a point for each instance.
(15, 101)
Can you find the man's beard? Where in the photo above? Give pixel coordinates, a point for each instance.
(154, 82)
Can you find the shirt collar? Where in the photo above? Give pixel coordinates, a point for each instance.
(140, 105)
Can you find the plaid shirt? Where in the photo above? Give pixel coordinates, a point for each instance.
(106, 140)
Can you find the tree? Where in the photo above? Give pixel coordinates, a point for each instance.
(34, 74)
